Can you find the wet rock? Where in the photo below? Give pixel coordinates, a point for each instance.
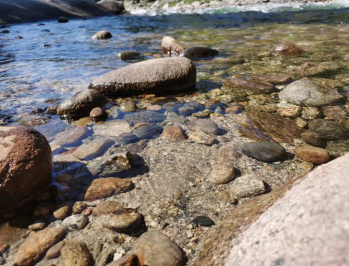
(37, 244)
(170, 46)
(33, 120)
(75, 222)
(287, 48)
(247, 186)
(127, 138)
(150, 76)
(71, 136)
(235, 108)
(292, 111)
(174, 118)
(264, 151)
(79, 207)
(311, 113)
(328, 130)
(129, 259)
(148, 131)
(25, 165)
(123, 221)
(112, 128)
(174, 133)
(51, 110)
(186, 110)
(199, 52)
(76, 253)
(334, 113)
(202, 221)
(106, 207)
(81, 104)
(113, 6)
(128, 106)
(38, 225)
(93, 149)
(43, 209)
(55, 251)
(62, 20)
(97, 114)
(338, 148)
(129, 55)
(313, 139)
(206, 126)
(102, 35)
(155, 249)
(61, 213)
(201, 138)
(222, 173)
(312, 154)
(106, 187)
(305, 92)
(144, 117)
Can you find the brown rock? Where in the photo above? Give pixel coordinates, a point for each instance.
(76, 253)
(106, 187)
(334, 112)
(43, 209)
(25, 166)
(106, 207)
(79, 207)
(150, 76)
(51, 110)
(313, 139)
(37, 244)
(140, 124)
(155, 107)
(55, 251)
(174, 133)
(201, 138)
(129, 259)
(97, 113)
(61, 213)
(39, 225)
(287, 48)
(170, 46)
(234, 108)
(292, 111)
(222, 173)
(124, 220)
(312, 154)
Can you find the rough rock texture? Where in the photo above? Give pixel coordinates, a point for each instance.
(206, 126)
(305, 92)
(81, 104)
(154, 75)
(328, 130)
(199, 52)
(25, 165)
(308, 226)
(247, 186)
(37, 244)
(287, 48)
(76, 253)
(174, 133)
(112, 128)
(170, 46)
(155, 249)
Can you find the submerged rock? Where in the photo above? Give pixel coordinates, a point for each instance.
(129, 55)
(102, 35)
(81, 104)
(124, 220)
(145, 117)
(206, 126)
(161, 75)
(170, 46)
(25, 165)
(148, 131)
(328, 130)
(199, 52)
(305, 92)
(287, 48)
(264, 151)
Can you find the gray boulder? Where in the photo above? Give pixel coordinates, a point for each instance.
(151, 76)
(305, 92)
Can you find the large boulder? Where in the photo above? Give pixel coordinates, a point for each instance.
(81, 104)
(305, 92)
(25, 165)
(160, 75)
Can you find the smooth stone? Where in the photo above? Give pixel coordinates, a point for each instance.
(97, 113)
(264, 151)
(129, 55)
(37, 244)
(55, 251)
(235, 108)
(225, 98)
(292, 111)
(102, 35)
(155, 75)
(71, 136)
(175, 118)
(287, 48)
(105, 187)
(62, 20)
(247, 186)
(202, 221)
(79, 207)
(312, 154)
(61, 213)
(106, 207)
(129, 259)
(187, 110)
(313, 139)
(202, 138)
(25, 166)
(112, 128)
(222, 173)
(144, 117)
(311, 113)
(75, 222)
(93, 149)
(174, 133)
(305, 92)
(76, 253)
(199, 52)
(170, 46)
(328, 130)
(206, 126)
(81, 104)
(156, 249)
(127, 138)
(128, 106)
(148, 131)
(123, 221)
(38, 225)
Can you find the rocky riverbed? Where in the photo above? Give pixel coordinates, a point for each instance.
(163, 149)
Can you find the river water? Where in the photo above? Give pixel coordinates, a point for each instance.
(42, 64)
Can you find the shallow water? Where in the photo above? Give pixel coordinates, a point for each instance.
(55, 61)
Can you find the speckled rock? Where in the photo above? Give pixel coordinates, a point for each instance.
(112, 6)
(148, 131)
(222, 173)
(338, 148)
(129, 259)
(76, 253)
(102, 35)
(174, 133)
(206, 126)
(311, 113)
(75, 222)
(79, 207)
(170, 46)
(264, 151)
(287, 48)
(202, 138)
(313, 139)
(123, 221)
(312, 154)
(292, 111)
(247, 186)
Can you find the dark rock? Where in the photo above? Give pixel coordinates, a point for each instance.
(81, 104)
(62, 20)
(102, 35)
(199, 52)
(338, 148)
(264, 151)
(25, 166)
(328, 130)
(113, 6)
(127, 138)
(128, 106)
(5, 31)
(206, 126)
(55, 251)
(148, 131)
(150, 76)
(170, 46)
(145, 116)
(287, 48)
(313, 139)
(202, 221)
(51, 110)
(129, 55)
(76, 253)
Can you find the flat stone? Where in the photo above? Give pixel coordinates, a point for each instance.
(264, 151)
(311, 113)
(38, 225)
(292, 111)
(37, 244)
(312, 154)
(106, 187)
(129, 259)
(71, 136)
(93, 149)
(55, 251)
(334, 112)
(148, 131)
(247, 186)
(112, 128)
(175, 118)
(123, 221)
(127, 138)
(206, 126)
(202, 138)
(144, 117)
(106, 207)
(61, 213)
(174, 133)
(75, 222)
(328, 130)
(76, 253)
(128, 106)
(102, 35)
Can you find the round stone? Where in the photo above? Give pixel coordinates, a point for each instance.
(312, 154)
(265, 151)
(102, 35)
